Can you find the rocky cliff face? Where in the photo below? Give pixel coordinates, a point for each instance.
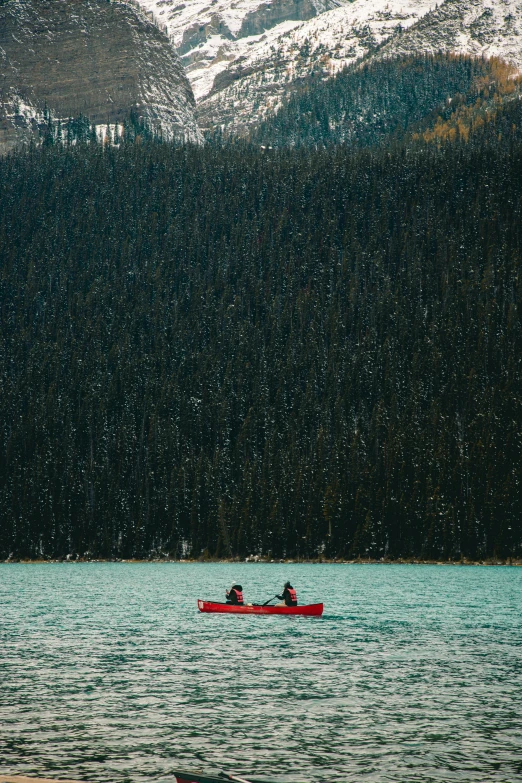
(212, 36)
(92, 57)
(244, 56)
(489, 28)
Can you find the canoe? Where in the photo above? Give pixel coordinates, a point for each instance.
(310, 610)
(185, 776)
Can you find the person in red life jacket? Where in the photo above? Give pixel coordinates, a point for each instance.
(235, 595)
(289, 597)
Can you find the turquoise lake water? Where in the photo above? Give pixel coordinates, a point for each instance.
(414, 673)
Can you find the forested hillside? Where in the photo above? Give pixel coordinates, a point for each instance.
(224, 351)
(363, 106)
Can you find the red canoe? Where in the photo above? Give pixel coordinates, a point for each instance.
(311, 610)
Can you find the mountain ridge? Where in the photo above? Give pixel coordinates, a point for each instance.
(239, 80)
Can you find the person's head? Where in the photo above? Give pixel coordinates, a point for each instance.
(287, 584)
(237, 587)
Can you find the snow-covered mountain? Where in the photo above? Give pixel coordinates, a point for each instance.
(212, 35)
(90, 57)
(490, 28)
(242, 56)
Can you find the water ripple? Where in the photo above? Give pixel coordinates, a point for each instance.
(108, 673)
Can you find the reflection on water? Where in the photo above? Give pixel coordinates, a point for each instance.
(414, 673)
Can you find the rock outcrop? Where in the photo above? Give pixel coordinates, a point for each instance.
(93, 58)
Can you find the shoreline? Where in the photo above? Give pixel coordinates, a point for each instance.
(489, 562)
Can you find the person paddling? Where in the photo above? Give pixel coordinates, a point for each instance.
(235, 595)
(289, 597)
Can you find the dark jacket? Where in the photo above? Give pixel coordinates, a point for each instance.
(286, 597)
(232, 595)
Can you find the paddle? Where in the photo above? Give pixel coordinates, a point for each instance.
(270, 599)
(233, 777)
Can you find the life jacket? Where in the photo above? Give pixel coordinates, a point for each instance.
(239, 596)
(293, 596)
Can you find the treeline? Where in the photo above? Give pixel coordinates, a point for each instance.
(224, 351)
(389, 100)
(53, 131)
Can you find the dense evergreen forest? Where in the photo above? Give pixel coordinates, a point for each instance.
(221, 351)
